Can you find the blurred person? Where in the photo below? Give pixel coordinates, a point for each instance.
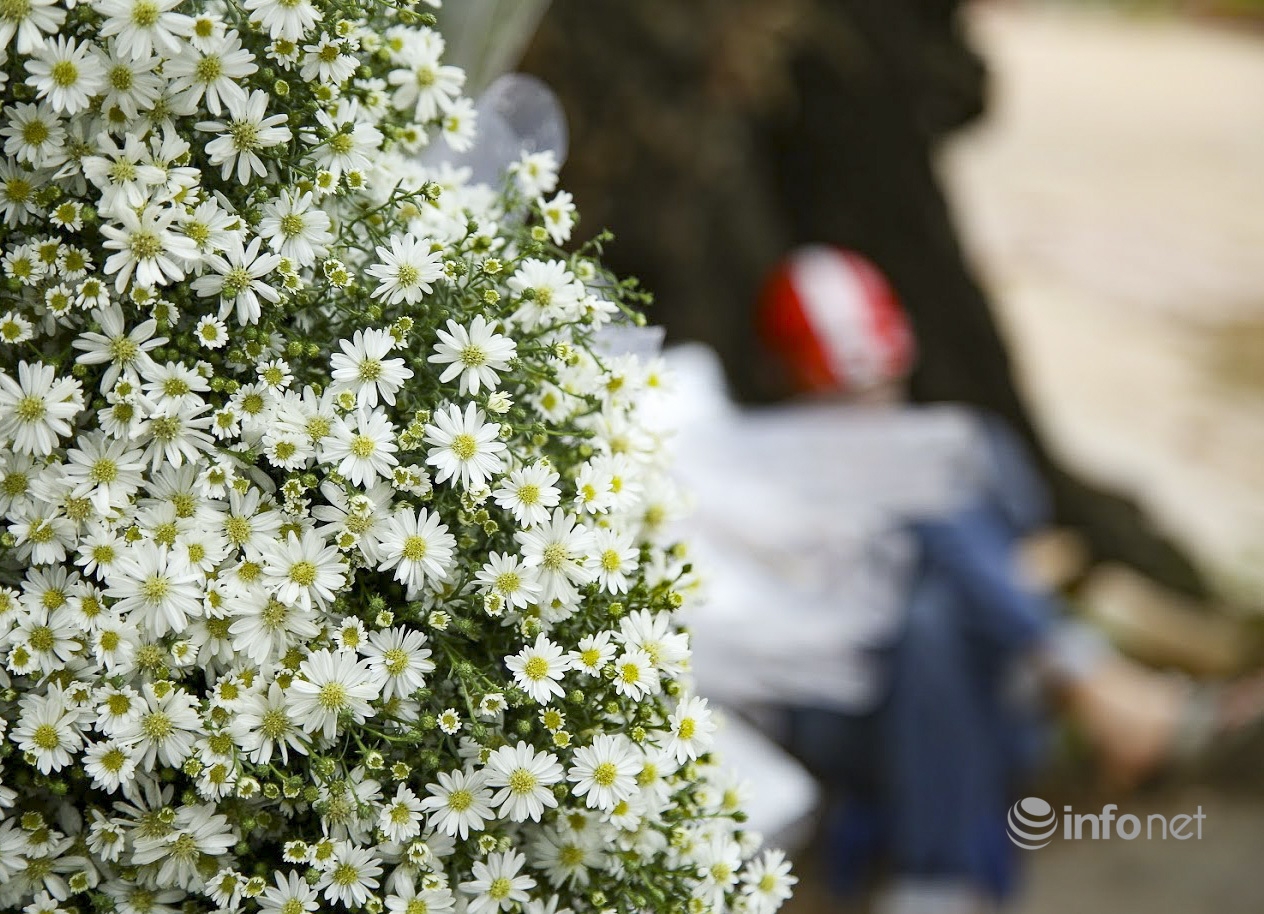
(862, 557)
(713, 136)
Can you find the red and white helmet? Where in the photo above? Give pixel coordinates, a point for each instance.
(834, 319)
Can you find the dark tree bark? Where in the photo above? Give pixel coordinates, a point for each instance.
(713, 135)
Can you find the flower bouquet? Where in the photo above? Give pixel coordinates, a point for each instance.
(332, 570)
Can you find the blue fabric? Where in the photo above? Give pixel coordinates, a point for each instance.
(937, 761)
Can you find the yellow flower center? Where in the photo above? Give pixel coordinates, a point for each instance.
(156, 726)
(536, 668)
(30, 409)
(415, 548)
(332, 696)
(396, 660)
(605, 773)
(64, 73)
(522, 781)
(303, 573)
(145, 245)
(145, 14)
(46, 737)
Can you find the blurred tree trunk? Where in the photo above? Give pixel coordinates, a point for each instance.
(713, 135)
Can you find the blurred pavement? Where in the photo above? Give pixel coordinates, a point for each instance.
(1113, 201)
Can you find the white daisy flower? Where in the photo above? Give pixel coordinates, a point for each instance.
(351, 636)
(248, 130)
(213, 74)
(34, 134)
(475, 355)
(18, 204)
(539, 668)
(103, 470)
(400, 819)
(655, 633)
(329, 684)
(110, 764)
(295, 229)
(14, 328)
(264, 628)
(558, 550)
(450, 721)
(497, 885)
(198, 832)
(691, 730)
(238, 278)
(350, 876)
(65, 73)
(525, 779)
(767, 882)
(549, 293)
(264, 725)
(605, 772)
(615, 557)
(407, 269)
(529, 492)
(491, 705)
(141, 27)
(507, 577)
(360, 515)
(158, 591)
(326, 61)
(303, 569)
(290, 895)
(408, 899)
(400, 659)
(286, 450)
(146, 247)
(48, 729)
(92, 293)
(363, 447)
(209, 225)
(566, 856)
(251, 521)
(363, 367)
(114, 644)
(592, 653)
(42, 535)
(288, 19)
(175, 433)
(464, 446)
(559, 216)
(459, 124)
(426, 86)
(211, 332)
(346, 141)
(130, 85)
(535, 173)
(30, 22)
(459, 803)
(174, 384)
(166, 728)
(22, 264)
(418, 547)
(593, 493)
(121, 173)
(635, 675)
(37, 407)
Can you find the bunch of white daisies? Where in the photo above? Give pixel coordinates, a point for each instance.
(331, 560)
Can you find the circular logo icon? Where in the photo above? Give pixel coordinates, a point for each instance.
(1031, 823)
